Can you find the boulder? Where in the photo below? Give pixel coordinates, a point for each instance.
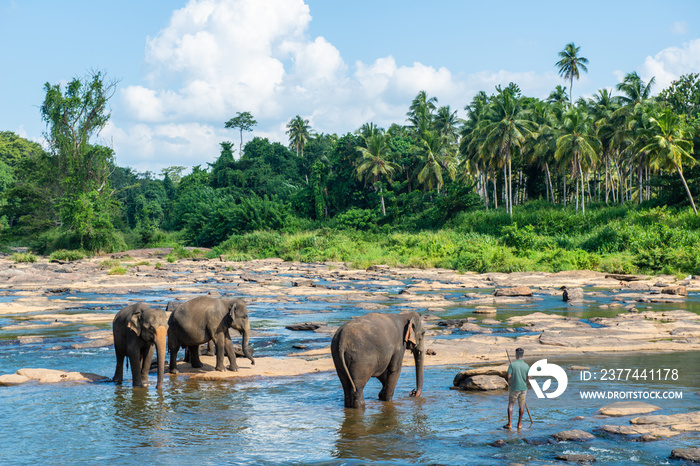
(303, 282)
(576, 458)
(500, 371)
(626, 408)
(514, 291)
(678, 290)
(572, 294)
(574, 435)
(483, 383)
(625, 277)
(54, 376)
(471, 327)
(688, 454)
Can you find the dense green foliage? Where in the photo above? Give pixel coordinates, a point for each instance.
(606, 183)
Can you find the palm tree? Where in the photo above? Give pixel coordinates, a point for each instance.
(420, 113)
(603, 107)
(448, 123)
(299, 132)
(558, 95)
(634, 90)
(670, 146)
(571, 65)
(436, 155)
(505, 131)
(579, 146)
(375, 163)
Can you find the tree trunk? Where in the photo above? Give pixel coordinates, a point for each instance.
(495, 191)
(687, 191)
(510, 187)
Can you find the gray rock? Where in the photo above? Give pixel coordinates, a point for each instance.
(483, 383)
(575, 458)
(575, 435)
(306, 326)
(572, 294)
(498, 443)
(500, 371)
(689, 454)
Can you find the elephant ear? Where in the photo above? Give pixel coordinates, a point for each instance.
(232, 310)
(134, 323)
(410, 335)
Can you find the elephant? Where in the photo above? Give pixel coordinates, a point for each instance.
(205, 318)
(172, 305)
(373, 345)
(139, 329)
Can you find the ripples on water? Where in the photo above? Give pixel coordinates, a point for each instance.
(301, 420)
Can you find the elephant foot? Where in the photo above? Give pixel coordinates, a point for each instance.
(197, 365)
(220, 369)
(233, 369)
(174, 371)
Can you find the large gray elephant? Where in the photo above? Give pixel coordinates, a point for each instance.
(373, 346)
(138, 330)
(205, 318)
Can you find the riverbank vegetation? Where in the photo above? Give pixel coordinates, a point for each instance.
(606, 183)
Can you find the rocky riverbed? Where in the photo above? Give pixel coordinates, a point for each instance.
(39, 295)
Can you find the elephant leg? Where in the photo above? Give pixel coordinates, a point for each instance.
(187, 355)
(119, 371)
(173, 347)
(360, 380)
(194, 357)
(389, 379)
(220, 343)
(147, 358)
(231, 353)
(210, 348)
(135, 361)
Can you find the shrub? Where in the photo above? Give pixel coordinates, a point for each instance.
(25, 257)
(67, 255)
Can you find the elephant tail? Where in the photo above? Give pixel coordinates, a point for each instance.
(345, 366)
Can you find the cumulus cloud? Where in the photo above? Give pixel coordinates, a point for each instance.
(669, 64)
(219, 57)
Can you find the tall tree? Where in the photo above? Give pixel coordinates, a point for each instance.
(436, 155)
(571, 65)
(375, 162)
(670, 145)
(244, 122)
(579, 145)
(74, 117)
(299, 133)
(505, 131)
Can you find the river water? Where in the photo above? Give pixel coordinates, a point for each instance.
(301, 420)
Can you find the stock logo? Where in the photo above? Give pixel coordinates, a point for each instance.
(543, 369)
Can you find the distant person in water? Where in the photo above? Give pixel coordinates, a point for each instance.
(517, 380)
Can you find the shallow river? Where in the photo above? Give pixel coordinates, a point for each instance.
(302, 420)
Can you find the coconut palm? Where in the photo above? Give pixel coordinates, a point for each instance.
(299, 133)
(436, 156)
(375, 163)
(579, 146)
(505, 131)
(670, 146)
(570, 66)
(420, 113)
(448, 123)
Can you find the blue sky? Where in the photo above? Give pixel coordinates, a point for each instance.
(186, 67)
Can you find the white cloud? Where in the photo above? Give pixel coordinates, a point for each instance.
(219, 57)
(671, 63)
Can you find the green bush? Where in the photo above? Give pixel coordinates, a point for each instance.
(25, 257)
(67, 255)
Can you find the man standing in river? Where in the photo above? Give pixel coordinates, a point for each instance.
(517, 381)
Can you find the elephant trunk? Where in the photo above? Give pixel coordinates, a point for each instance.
(161, 333)
(419, 355)
(244, 343)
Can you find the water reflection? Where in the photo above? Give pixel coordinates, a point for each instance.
(368, 435)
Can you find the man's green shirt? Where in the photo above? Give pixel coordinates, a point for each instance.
(518, 381)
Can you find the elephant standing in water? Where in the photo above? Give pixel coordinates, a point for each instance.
(373, 346)
(205, 318)
(138, 330)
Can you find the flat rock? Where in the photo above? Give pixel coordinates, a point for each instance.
(483, 383)
(574, 435)
(13, 379)
(626, 408)
(514, 291)
(677, 290)
(54, 376)
(485, 310)
(688, 454)
(576, 458)
(306, 326)
(625, 277)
